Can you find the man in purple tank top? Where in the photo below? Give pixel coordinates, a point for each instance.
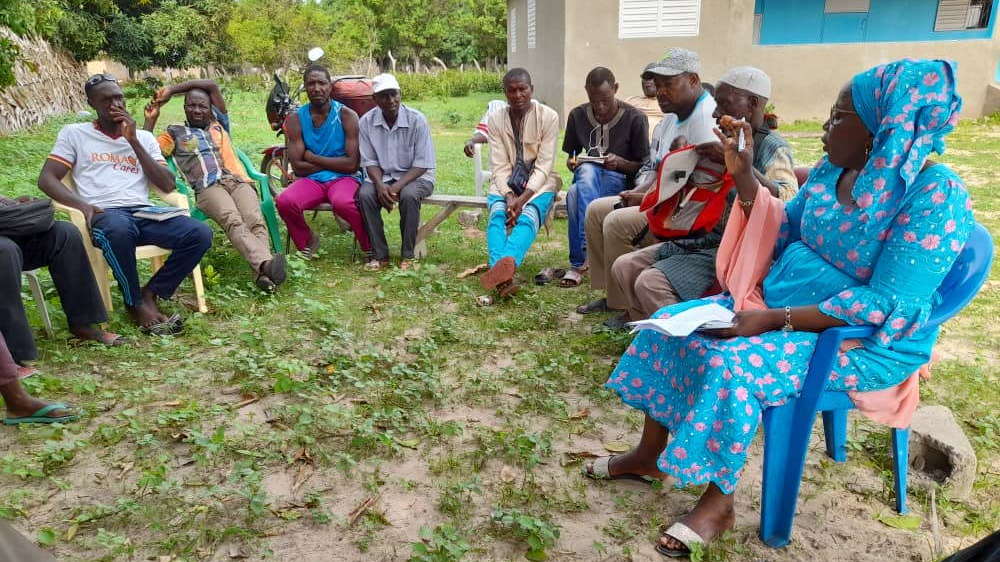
(322, 142)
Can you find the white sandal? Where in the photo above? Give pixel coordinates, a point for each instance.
(599, 471)
(682, 534)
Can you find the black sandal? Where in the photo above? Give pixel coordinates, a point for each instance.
(592, 307)
(548, 275)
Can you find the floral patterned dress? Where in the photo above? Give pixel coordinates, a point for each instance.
(860, 264)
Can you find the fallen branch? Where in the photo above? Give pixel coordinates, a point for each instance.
(353, 516)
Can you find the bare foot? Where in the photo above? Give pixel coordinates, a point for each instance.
(147, 314)
(631, 463)
(31, 406)
(93, 333)
(312, 247)
(20, 404)
(713, 515)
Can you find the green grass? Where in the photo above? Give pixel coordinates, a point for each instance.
(458, 422)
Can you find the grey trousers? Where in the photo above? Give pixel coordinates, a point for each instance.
(409, 216)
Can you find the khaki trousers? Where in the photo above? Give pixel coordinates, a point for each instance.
(645, 288)
(234, 205)
(610, 233)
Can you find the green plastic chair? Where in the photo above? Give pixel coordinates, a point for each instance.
(267, 207)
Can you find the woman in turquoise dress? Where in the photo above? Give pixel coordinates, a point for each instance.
(867, 241)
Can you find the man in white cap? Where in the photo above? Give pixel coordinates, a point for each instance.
(683, 269)
(743, 91)
(614, 225)
(398, 156)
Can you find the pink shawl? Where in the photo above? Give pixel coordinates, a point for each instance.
(744, 258)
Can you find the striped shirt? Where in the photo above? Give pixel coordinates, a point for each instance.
(202, 156)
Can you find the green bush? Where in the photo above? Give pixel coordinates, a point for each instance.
(142, 89)
(449, 83)
(446, 84)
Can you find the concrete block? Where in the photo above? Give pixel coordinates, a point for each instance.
(469, 219)
(940, 453)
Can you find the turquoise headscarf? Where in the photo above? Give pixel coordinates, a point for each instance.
(909, 106)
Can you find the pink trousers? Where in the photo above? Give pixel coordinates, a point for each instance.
(305, 194)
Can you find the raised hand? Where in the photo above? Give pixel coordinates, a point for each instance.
(162, 95)
(738, 162)
(152, 110)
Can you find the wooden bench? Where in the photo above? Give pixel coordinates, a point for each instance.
(449, 204)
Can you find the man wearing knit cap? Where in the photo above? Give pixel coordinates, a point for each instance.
(614, 225)
(398, 155)
(743, 91)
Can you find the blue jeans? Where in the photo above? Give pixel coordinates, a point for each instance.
(516, 244)
(117, 233)
(590, 182)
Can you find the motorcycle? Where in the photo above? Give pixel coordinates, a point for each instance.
(354, 91)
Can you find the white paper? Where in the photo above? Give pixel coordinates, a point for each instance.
(706, 317)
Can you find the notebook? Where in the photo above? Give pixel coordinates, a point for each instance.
(155, 213)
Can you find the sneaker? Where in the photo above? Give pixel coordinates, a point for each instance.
(376, 265)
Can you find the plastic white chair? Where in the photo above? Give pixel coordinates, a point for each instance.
(482, 174)
(39, 296)
(156, 254)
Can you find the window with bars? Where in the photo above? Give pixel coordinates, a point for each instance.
(958, 15)
(658, 18)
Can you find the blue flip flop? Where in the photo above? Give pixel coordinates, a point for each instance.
(41, 416)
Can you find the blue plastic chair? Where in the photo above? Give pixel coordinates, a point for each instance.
(787, 428)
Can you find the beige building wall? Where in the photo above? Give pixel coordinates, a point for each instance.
(806, 77)
(546, 61)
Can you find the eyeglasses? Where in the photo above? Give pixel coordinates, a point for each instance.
(97, 79)
(836, 110)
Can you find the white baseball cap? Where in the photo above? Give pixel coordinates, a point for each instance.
(753, 80)
(384, 82)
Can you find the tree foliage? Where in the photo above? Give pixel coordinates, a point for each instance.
(268, 34)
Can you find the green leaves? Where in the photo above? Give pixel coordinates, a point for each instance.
(443, 543)
(905, 522)
(538, 533)
(46, 536)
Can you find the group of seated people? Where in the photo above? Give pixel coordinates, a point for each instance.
(866, 240)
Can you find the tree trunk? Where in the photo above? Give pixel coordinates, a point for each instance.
(392, 61)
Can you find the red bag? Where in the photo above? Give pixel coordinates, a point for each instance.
(692, 209)
(355, 93)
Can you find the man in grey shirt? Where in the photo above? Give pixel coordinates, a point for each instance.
(398, 156)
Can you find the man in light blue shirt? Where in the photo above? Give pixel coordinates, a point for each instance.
(398, 156)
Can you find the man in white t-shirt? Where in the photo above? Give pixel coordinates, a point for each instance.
(112, 162)
(614, 225)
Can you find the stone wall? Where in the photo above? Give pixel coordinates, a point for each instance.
(49, 82)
